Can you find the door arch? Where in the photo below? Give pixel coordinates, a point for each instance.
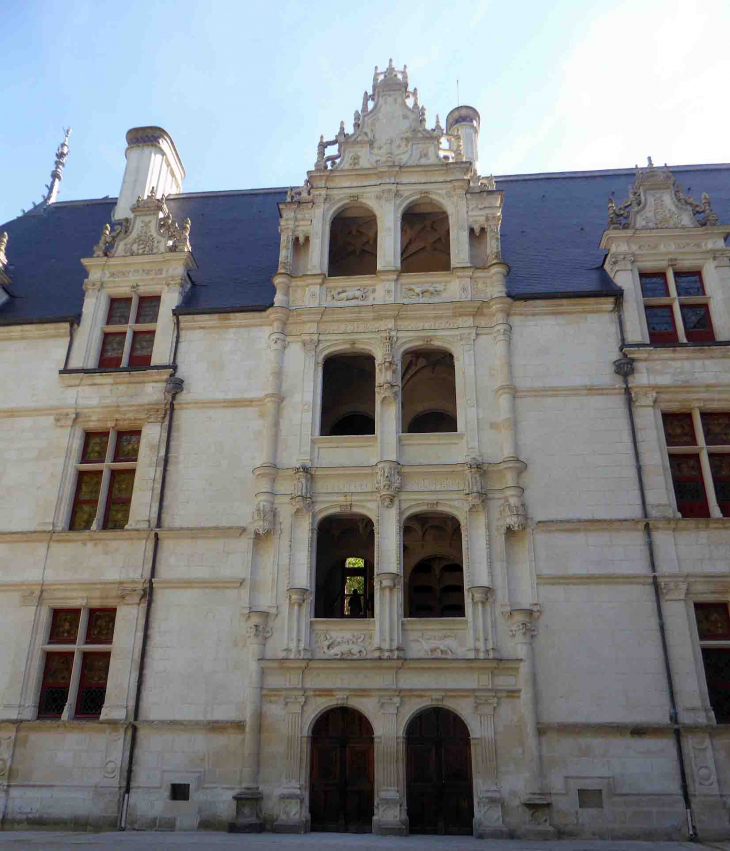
(341, 796)
(439, 789)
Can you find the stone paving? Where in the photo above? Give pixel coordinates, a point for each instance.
(148, 840)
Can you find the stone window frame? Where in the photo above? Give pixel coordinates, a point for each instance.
(668, 267)
(700, 448)
(147, 419)
(130, 329)
(107, 468)
(79, 648)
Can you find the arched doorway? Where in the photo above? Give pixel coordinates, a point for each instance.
(438, 764)
(341, 795)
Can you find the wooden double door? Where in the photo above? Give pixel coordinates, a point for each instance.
(439, 782)
(341, 793)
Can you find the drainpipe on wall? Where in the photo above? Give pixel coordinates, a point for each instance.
(624, 366)
(173, 386)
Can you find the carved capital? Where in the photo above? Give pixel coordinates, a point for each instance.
(64, 419)
(301, 497)
(473, 481)
(644, 398)
(512, 514)
(388, 481)
(264, 518)
(673, 589)
(257, 629)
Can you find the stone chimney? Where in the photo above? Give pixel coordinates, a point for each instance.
(464, 121)
(152, 160)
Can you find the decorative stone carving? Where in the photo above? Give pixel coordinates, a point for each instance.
(441, 646)
(150, 230)
(657, 201)
(473, 485)
(624, 366)
(344, 645)
(673, 589)
(264, 518)
(3, 249)
(257, 630)
(523, 629)
(356, 294)
(388, 481)
(423, 291)
(301, 498)
(512, 514)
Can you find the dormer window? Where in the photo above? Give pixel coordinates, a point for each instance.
(676, 306)
(129, 333)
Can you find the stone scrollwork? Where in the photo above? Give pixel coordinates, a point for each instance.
(344, 645)
(388, 481)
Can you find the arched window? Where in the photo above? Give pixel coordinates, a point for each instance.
(425, 238)
(345, 557)
(353, 243)
(433, 563)
(428, 391)
(348, 395)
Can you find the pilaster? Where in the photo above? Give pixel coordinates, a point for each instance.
(292, 818)
(488, 822)
(388, 819)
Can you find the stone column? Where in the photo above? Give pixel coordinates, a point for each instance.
(388, 820)
(387, 620)
(488, 810)
(291, 796)
(388, 240)
(471, 418)
(248, 799)
(536, 801)
(387, 394)
(306, 422)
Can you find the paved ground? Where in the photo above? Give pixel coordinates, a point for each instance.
(147, 841)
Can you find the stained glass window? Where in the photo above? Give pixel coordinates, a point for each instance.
(713, 621)
(120, 496)
(679, 430)
(112, 350)
(92, 684)
(88, 487)
(654, 285)
(127, 446)
(689, 283)
(64, 626)
(148, 310)
(56, 682)
(141, 352)
(689, 487)
(119, 310)
(716, 428)
(95, 446)
(100, 629)
(661, 324)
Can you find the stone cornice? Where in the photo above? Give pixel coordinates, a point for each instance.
(35, 331)
(87, 378)
(637, 524)
(551, 306)
(678, 353)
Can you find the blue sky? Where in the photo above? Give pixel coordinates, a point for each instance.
(245, 89)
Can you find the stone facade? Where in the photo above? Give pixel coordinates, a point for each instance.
(554, 660)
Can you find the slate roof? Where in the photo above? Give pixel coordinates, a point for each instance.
(551, 229)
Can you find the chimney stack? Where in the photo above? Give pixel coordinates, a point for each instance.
(152, 160)
(464, 121)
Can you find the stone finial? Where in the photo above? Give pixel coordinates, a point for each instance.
(3, 247)
(365, 99)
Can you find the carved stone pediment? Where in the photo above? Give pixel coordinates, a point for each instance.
(150, 230)
(656, 201)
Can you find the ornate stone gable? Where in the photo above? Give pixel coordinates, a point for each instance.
(656, 201)
(150, 230)
(392, 132)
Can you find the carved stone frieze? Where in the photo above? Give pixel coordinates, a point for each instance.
(423, 292)
(439, 645)
(356, 294)
(345, 645)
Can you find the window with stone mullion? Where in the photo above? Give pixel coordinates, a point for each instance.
(129, 332)
(699, 460)
(676, 306)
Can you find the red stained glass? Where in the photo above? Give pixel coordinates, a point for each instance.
(689, 487)
(654, 285)
(679, 430)
(717, 429)
(95, 446)
(92, 684)
(112, 350)
(148, 310)
(119, 310)
(56, 680)
(100, 629)
(86, 500)
(142, 344)
(64, 626)
(127, 446)
(713, 621)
